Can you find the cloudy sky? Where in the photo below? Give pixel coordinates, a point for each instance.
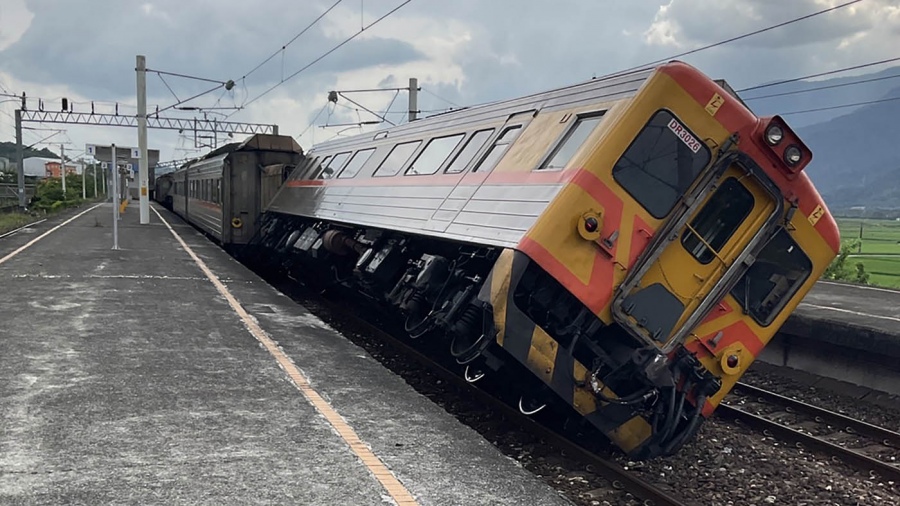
(463, 52)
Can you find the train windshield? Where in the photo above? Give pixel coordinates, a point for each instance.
(661, 164)
(772, 280)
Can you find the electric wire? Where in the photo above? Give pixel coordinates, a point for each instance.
(819, 88)
(820, 74)
(324, 55)
(313, 122)
(439, 97)
(186, 76)
(292, 40)
(729, 40)
(842, 106)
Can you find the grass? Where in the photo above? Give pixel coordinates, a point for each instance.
(879, 251)
(12, 221)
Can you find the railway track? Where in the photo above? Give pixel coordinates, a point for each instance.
(857, 443)
(619, 478)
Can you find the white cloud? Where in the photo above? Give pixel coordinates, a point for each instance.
(15, 18)
(469, 51)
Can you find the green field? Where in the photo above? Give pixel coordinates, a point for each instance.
(879, 250)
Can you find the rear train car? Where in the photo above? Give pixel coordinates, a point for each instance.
(621, 250)
(224, 192)
(162, 191)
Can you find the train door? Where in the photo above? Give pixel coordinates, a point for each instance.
(715, 219)
(699, 258)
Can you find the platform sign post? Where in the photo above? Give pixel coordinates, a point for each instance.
(105, 180)
(91, 150)
(114, 167)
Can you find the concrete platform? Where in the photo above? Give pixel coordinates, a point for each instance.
(127, 377)
(844, 332)
(865, 307)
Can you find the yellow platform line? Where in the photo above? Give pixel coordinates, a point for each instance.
(391, 484)
(45, 234)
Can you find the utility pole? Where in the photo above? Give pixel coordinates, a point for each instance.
(20, 159)
(62, 167)
(94, 170)
(413, 98)
(143, 169)
(115, 185)
(83, 180)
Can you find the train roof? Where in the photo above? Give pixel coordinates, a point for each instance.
(615, 87)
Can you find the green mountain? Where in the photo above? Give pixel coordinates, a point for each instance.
(856, 157)
(8, 150)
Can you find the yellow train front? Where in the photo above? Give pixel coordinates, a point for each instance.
(640, 239)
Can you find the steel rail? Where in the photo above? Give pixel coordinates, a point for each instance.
(781, 431)
(886, 436)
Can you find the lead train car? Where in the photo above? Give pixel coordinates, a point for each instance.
(223, 192)
(624, 247)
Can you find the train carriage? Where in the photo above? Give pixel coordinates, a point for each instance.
(224, 192)
(624, 247)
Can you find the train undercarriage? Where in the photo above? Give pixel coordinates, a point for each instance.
(494, 311)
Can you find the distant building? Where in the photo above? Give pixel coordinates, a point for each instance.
(52, 169)
(36, 166)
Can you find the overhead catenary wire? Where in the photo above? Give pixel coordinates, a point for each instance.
(820, 74)
(439, 97)
(842, 106)
(820, 88)
(186, 76)
(324, 55)
(304, 30)
(313, 122)
(732, 39)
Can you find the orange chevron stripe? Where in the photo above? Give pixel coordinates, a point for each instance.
(596, 293)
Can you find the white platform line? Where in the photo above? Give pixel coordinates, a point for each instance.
(45, 234)
(23, 227)
(373, 463)
(848, 311)
(860, 287)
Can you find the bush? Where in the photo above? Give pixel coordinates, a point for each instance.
(48, 195)
(838, 270)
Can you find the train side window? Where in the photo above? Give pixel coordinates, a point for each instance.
(434, 155)
(661, 163)
(499, 148)
(719, 219)
(359, 159)
(314, 173)
(472, 147)
(397, 158)
(572, 141)
(334, 166)
(775, 276)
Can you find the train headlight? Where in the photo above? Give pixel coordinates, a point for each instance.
(774, 134)
(792, 155)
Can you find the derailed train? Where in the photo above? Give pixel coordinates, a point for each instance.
(624, 247)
